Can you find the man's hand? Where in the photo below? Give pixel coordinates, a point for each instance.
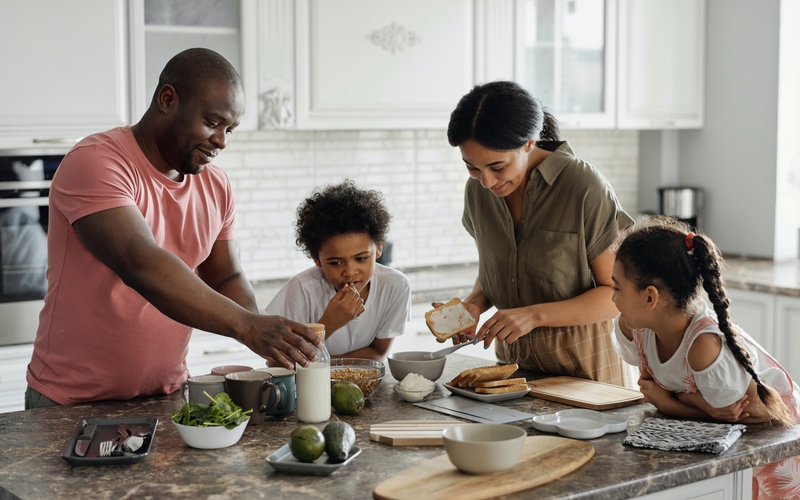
(282, 342)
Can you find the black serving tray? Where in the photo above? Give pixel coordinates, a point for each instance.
(107, 430)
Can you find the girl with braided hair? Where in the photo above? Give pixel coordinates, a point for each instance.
(694, 362)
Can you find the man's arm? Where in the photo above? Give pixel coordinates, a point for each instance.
(121, 239)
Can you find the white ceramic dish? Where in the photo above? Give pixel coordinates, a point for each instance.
(209, 438)
(469, 392)
(580, 423)
(414, 396)
(284, 461)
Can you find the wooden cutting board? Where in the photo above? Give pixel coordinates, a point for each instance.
(410, 432)
(584, 393)
(544, 459)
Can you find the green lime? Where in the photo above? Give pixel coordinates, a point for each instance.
(347, 398)
(307, 443)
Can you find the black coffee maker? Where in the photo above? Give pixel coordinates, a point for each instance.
(683, 203)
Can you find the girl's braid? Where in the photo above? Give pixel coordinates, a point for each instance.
(709, 263)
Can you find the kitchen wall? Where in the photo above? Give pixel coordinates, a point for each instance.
(747, 156)
(420, 175)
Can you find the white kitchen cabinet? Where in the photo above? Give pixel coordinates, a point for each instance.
(379, 64)
(754, 312)
(14, 361)
(65, 70)
(661, 82)
(773, 321)
(162, 28)
(733, 486)
(787, 324)
(566, 53)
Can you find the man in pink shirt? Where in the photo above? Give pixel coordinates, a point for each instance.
(141, 250)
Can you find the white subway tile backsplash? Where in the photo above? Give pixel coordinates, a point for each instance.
(420, 175)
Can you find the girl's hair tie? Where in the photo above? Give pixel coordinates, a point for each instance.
(690, 242)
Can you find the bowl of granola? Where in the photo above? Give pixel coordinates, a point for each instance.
(365, 373)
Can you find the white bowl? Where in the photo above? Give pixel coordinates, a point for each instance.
(209, 438)
(484, 448)
(414, 396)
(403, 363)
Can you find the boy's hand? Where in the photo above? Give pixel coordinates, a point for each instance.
(344, 307)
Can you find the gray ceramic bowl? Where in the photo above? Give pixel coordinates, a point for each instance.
(403, 363)
(484, 448)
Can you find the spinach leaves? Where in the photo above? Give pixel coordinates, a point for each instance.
(221, 411)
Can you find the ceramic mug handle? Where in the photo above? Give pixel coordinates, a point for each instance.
(184, 388)
(265, 396)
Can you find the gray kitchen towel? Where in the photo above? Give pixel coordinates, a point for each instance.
(684, 435)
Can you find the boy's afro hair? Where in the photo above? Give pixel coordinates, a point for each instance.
(340, 209)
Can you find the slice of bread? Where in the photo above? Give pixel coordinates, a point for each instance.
(503, 389)
(449, 319)
(468, 378)
(500, 383)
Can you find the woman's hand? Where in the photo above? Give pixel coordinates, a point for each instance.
(507, 325)
(466, 335)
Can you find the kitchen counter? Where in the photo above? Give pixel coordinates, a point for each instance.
(780, 278)
(32, 441)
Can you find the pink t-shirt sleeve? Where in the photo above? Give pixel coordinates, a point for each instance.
(79, 191)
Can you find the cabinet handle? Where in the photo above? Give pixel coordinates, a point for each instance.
(57, 140)
(227, 350)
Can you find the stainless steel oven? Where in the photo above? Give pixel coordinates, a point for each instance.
(24, 188)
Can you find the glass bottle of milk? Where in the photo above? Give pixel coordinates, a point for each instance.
(314, 383)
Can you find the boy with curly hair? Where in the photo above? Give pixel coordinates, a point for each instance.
(363, 304)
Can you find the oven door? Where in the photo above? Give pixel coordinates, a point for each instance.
(24, 188)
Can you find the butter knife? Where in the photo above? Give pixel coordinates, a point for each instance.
(85, 439)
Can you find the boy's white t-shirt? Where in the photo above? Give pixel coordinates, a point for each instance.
(387, 311)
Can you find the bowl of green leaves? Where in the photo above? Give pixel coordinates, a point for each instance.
(218, 424)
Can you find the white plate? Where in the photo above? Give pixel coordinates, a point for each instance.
(284, 461)
(579, 423)
(469, 392)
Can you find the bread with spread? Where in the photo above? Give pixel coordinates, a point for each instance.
(449, 319)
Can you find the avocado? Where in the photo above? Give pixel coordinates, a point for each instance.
(339, 439)
(306, 443)
(347, 398)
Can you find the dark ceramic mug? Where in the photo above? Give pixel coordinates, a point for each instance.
(285, 379)
(251, 391)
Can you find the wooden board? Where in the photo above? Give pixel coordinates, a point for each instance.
(544, 459)
(411, 432)
(584, 393)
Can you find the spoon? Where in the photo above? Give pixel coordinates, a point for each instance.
(448, 350)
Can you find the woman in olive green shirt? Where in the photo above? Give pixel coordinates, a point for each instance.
(544, 222)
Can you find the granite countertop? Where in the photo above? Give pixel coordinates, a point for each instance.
(781, 278)
(32, 442)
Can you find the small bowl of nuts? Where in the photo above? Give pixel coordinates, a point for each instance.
(365, 373)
